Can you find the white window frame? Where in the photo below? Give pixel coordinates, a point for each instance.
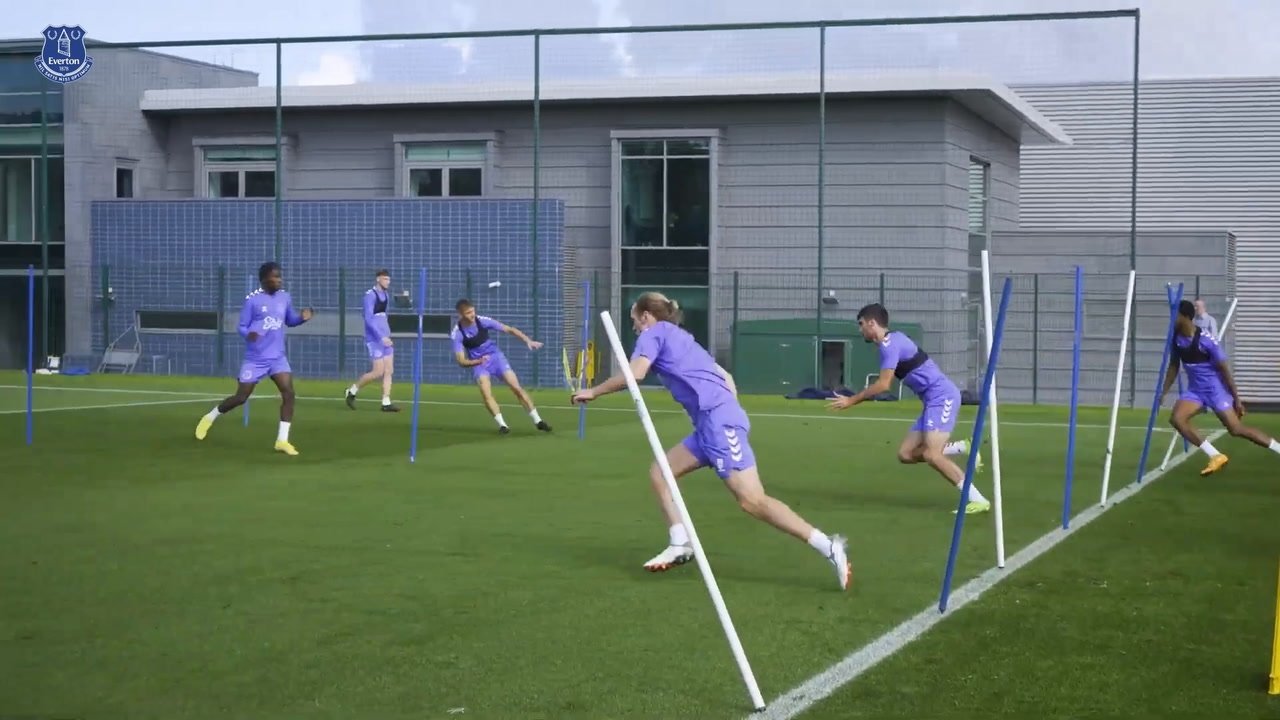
(713, 138)
(403, 141)
(125, 164)
(203, 167)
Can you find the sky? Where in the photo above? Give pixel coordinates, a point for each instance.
(1180, 38)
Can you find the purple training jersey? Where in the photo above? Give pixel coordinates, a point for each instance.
(1200, 356)
(690, 374)
(376, 326)
(267, 314)
(940, 396)
(460, 334)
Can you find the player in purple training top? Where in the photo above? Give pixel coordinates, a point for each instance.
(720, 433)
(927, 440)
(1209, 385)
(377, 338)
(267, 311)
(473, 348)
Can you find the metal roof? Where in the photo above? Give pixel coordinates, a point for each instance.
(994, 101)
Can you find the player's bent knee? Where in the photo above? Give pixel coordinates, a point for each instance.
(753, 503)
(933, 457)
(906, 457)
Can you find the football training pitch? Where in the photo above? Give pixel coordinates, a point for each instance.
(146, 574)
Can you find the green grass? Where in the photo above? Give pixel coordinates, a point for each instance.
(145, 574)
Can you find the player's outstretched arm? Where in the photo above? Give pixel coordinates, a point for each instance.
(516, 333)
(881, 385)
(639, 368)
(293, 318)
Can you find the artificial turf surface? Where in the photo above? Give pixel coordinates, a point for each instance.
(146, 574)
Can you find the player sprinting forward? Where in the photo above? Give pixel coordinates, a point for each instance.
(1209, 385)
(377, 338)
(720, 434)
(926, 441)
(264, 316)
(473, 348)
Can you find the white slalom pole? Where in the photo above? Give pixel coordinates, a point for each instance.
(1115, 400)
(1222, 332)
(996, 499)
(660, 455)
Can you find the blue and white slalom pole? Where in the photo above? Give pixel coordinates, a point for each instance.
(417, 366)
(978, 424)
(1115, 399)
(31, 350)
(582, 362)
(1155, 400)
(1075, 400)
(1173, 307)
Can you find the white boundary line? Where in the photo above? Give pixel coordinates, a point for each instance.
(456, 403)
(822, 685)
(109, 406)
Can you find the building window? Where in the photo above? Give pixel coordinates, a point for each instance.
(21, 213)
(444, 169)
(124, 182)
(240, 171)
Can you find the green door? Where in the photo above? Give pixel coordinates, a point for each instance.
(774, 363)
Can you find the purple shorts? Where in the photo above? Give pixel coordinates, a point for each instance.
(496, 366)
(940, 412)
(377, 350)
(251, 371)
(1215, 399)
(719, 440)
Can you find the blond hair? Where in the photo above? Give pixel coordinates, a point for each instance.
(661, 307)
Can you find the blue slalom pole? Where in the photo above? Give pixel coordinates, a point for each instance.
(975, 441)
(1173, 308)
(31, 348)
(1075, 399)
(1164, 365)
(248, 289)
(582, 365)
(417, 366)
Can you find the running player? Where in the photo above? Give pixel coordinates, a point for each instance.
(377, 338)
(264, 316)
(926, 441)
(1209, 385)
(473, 348)
(719, 440)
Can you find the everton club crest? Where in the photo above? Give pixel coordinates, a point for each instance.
(63, 58)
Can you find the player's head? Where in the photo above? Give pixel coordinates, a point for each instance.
(1200, 309)
(382, 278)
(652, 308)
(269, 276)
(466, 310)
(1186, 316)
(873, 322)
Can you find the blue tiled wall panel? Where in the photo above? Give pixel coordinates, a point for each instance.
(167, 255)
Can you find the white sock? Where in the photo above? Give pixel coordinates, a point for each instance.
(1275, 446)
(958, 447)
(975, 495)
(283, 434)
(498, 418)
(678, 534)
(819, 541)
(386, 399)
(536, 417)
(1212, 451)
(213, 414)
(353, 390)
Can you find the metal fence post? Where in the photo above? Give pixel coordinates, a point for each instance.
(342, 320)
(1035, 339)
(733, 334)
(222, 309)
(106, 306)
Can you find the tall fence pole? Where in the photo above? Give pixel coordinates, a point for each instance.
(1133, 204)
(106, 306)
(219, 351)
(342, 320)
(1035, 339)
(44, 219)
(822, 177)
(537, 156)
(733, 333)
(279, 180)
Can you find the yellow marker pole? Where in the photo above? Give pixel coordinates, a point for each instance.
(1274, 688)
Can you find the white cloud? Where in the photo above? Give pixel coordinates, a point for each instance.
(609, 14)
(332, 68)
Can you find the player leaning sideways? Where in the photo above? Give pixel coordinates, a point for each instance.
(264, 316)
(377, 338)
(474, 348)
(720, 433)
(1209, 385)
(926, 440)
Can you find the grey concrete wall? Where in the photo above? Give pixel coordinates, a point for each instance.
(103, 124)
